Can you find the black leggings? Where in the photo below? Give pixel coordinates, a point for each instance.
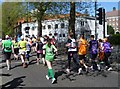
(94, 63)
(75, 58)
(105, 59)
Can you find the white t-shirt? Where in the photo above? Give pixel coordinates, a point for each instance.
(42, 39)
(72, 44)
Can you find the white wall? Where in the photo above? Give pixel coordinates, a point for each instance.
(90, 25)
(31, 32)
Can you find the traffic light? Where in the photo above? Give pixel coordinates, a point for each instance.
(99, 15)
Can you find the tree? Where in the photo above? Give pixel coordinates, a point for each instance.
(110, 30)
(79, 7)
(72, 19)
(0, 20)
(46, 9)
(11, 12)
(55, 8)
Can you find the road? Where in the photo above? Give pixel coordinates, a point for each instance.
(34, 76)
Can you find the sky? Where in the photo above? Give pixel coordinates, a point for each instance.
(108, 5)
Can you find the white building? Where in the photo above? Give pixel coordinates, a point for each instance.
(85, 25)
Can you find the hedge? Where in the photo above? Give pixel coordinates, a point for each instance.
(115, 39)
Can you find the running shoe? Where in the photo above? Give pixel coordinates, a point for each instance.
(79, 70)
(28, 62)
(68, 70)
(47, 77)
(109, 69)
(9, 67)
(37, 63)
(53, 80)
(24, 65)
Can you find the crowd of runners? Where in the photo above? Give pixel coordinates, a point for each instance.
(46, 49)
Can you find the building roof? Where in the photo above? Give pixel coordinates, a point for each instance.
(51, 17)
(113, 13)
(61, 16)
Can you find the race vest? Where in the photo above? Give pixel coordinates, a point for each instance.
(72, 45)
(107, 47)
(49, 50)
(28, 47)
(15, 45)
(40, 47)
(7, 46)
(94, 46)
(82, 47)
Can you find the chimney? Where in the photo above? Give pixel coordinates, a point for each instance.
(114, 8)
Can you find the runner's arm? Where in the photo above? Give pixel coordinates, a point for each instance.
(12, 49)
(55, 49)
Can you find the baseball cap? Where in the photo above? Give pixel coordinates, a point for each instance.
(22, 37)
(6, 36)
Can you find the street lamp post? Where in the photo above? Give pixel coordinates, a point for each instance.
(95, 20)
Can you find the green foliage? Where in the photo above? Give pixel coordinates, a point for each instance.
(115, 39)
(110, 30)
(11, 12)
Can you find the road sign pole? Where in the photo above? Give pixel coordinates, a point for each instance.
(95, 20)
(104, 23)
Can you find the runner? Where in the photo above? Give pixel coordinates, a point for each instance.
(107, 52)
(3, 39)
(49, 57)
(53, 42)
(72, 52)
(8, 49)
(44, 41)
(82, 48)
(101, 52)
(93, 48)
(22, 51)
(16, 48)
(34, 43)
(28, 50)
(39, 50)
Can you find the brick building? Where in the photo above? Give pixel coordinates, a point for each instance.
(113, 19)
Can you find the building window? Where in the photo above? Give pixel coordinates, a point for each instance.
(60, 35)
(56, 26)
(82, 23)
(63, 35)
(43, 27)
(62, 25)
(33, 28)
(27, 30)
(55, 34)
(117, 23)
(49, 26)
(113, 19)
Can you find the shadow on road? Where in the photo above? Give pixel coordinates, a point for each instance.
(3, 66)
(17, 66)
(5, 74)
(16, 82)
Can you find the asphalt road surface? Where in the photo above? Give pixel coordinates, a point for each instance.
(34, 76)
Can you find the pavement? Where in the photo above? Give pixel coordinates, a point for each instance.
(34, 76)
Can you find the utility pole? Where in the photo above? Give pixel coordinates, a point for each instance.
(104, 23)
(72, 19)
(95, 20)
